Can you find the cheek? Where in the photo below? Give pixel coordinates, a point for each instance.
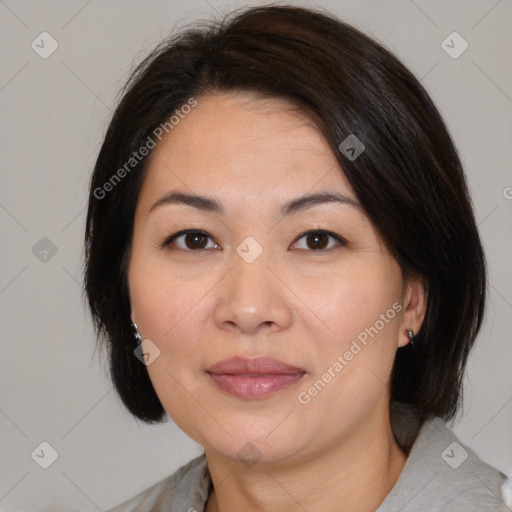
(352, 367)
(355, 353)
(171, 314)
(163, 301)
(172, 310)
(349, 303)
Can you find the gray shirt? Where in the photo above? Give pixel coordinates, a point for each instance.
(440, 475)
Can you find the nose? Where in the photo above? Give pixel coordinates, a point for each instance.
(251, 298)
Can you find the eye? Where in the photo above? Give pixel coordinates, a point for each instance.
(191, 240)
(197, 240)
(318, 240)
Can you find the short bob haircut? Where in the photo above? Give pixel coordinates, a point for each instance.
(409, 180)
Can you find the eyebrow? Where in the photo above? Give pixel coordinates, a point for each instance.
(209, 204)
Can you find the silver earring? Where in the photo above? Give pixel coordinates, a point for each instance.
(136, 334)
(410, 334)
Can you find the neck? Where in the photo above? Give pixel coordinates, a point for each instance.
(357, 473)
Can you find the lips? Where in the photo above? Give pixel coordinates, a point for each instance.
(254, 378)
(260, 365)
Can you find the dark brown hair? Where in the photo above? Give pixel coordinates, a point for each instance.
(409, 179)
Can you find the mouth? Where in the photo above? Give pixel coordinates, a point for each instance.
(254, 378)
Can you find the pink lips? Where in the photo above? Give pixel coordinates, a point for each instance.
(254, 378)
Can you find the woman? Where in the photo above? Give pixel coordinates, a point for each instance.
(280, 215)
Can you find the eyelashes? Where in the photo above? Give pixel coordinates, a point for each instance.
(196, 235)
(196, 240)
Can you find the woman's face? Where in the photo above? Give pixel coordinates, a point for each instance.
(253, 285)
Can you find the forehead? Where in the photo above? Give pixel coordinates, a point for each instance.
(241, 141)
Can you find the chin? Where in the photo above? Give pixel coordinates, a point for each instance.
(252, 444)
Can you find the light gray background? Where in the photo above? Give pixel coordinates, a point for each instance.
(53, 387)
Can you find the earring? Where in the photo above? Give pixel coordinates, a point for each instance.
(410, 334)
(136, 334)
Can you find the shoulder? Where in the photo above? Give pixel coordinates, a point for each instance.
(475, 485)
(442, 474)
(187, 488)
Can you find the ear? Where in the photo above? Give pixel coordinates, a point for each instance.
(414, 307)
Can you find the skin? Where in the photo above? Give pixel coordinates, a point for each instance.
(294, 303)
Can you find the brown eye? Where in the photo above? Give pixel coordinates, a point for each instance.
(319, 240)
(316, 240)
(189, 241)
(195, 241)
